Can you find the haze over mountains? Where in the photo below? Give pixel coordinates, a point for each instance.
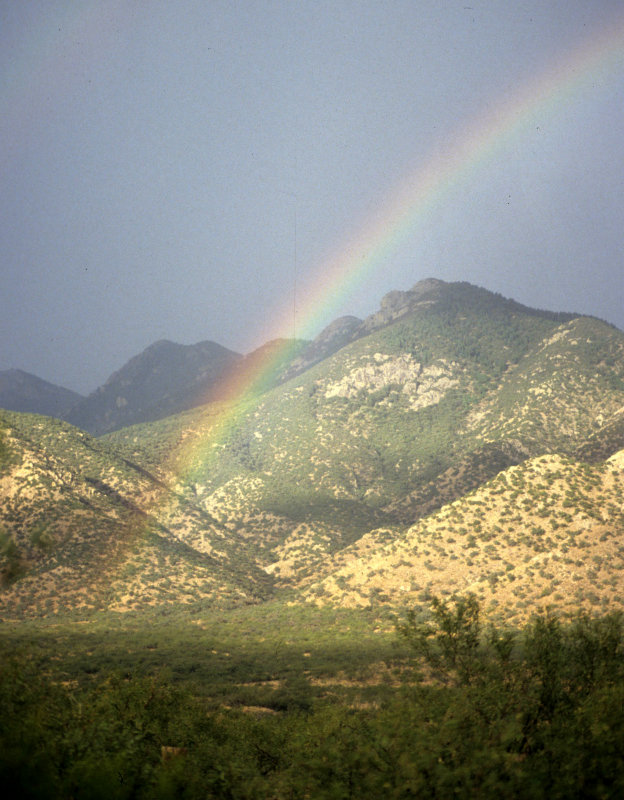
(453, 441)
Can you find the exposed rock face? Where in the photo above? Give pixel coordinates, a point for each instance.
(382, 371)
(397, 304)
(435, 381)
(423, 386)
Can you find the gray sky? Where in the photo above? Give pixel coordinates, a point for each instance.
(183, 170)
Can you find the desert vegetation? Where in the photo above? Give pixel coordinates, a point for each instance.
(441, 705)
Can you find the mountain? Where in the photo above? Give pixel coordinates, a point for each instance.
(21, 391)
(393, 306)
(331, 339)
(389, 412)
(167, 378)
(164, 379)
(83, 528)
(451, 385)
(454, 440)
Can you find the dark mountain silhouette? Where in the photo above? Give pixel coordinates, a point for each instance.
(21, 391)
(164, 379)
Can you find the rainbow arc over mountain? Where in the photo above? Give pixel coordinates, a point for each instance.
(457, 160)
(401, 214)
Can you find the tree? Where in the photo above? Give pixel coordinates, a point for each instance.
(449, 643)
(11, 564)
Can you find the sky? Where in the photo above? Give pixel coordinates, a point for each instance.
(236, 171)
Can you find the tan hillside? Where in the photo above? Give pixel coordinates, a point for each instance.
(82, 528)
(546, 533)
(606, 440)
(558, 393)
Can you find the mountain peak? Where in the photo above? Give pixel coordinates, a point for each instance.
(164, 379)
(426, 285)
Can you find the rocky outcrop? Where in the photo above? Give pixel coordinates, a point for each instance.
(421, 386)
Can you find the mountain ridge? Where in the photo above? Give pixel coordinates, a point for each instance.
(349, 460)
(181, 377)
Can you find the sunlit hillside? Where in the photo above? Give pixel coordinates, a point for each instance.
(543, 535)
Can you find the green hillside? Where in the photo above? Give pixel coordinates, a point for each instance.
(462, 377)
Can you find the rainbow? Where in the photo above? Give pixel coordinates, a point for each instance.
(401, 214)
(455, 163)
(457, 160)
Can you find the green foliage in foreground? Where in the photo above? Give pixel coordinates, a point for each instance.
(481, 714)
